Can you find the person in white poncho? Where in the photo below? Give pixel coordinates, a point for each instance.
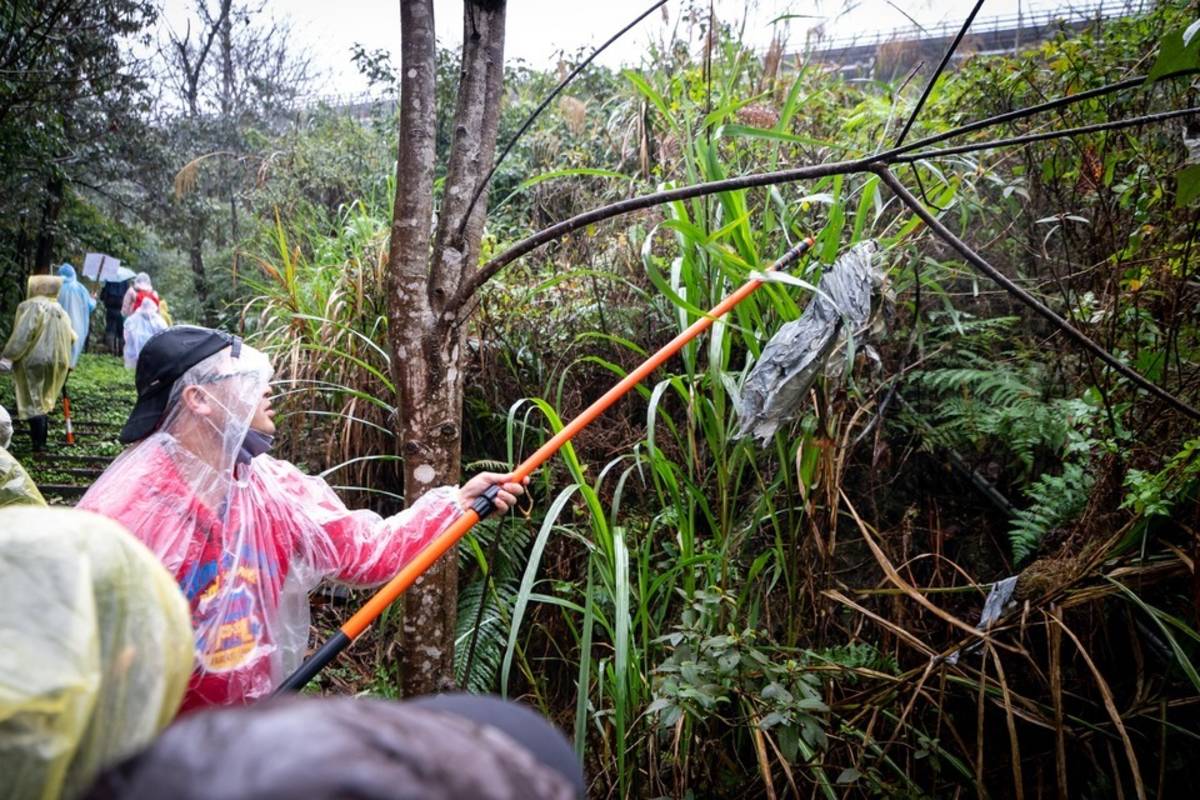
(139, 327)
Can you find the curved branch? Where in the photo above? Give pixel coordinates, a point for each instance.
(472, 282)
(977, 261)
(1028, 138)
(1022, 113)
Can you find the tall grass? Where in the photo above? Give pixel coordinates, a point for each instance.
(317, 309)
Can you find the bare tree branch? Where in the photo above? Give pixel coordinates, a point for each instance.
(977, 261)
(192, 70)
(559, 229)
(1022, 113)
(1028, 138)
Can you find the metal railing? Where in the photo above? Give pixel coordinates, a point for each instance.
(1033, 20)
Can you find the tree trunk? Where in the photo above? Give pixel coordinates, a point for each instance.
(229, 175)
(196, 256)
(46, 229)
(426, 319)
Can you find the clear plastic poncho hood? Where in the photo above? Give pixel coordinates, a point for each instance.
(16, 487)
(95, 649)
(74, 298)
(247, 537)
(40, 348)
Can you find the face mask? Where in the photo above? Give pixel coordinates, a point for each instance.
(255, 444)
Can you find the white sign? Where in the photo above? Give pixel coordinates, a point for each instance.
(100, 267)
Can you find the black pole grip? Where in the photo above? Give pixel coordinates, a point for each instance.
(313, 664)
(485, 504)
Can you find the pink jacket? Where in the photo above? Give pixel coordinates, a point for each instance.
(246, 566)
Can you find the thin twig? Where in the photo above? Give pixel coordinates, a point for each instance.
(1022, 113)
(937, 73)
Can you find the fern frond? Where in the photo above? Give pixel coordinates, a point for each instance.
(493, 633)
(1056, 500)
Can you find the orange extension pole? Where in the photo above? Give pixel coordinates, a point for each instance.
(391, 591)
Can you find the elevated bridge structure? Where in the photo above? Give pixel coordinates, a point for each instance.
(888, 55)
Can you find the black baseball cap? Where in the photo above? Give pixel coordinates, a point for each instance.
(164, 358)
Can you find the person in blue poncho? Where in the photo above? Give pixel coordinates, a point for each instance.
(74, 297)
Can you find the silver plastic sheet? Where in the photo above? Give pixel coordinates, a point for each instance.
(993, 608)
(801, 350)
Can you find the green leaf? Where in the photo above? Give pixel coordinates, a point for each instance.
(1175, 57)
(658, 705)
(774, 691)
(848, 775)
(771, 720)
(716, 115)
(789, 742)
(1190, 32)
(528, 580)
(643, 86)
(1187, 185)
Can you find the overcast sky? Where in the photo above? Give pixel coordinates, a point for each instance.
(539, 30)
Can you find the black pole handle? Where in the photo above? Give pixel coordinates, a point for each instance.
(313, 664)
(485, 504)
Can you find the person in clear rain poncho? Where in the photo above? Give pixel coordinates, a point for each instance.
(39, 353)
(247, 536)
(144, 323)
(74, 298)
(95, 649)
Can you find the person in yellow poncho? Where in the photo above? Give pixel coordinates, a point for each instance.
(39, 354)
(16, 487)
(95, 649)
